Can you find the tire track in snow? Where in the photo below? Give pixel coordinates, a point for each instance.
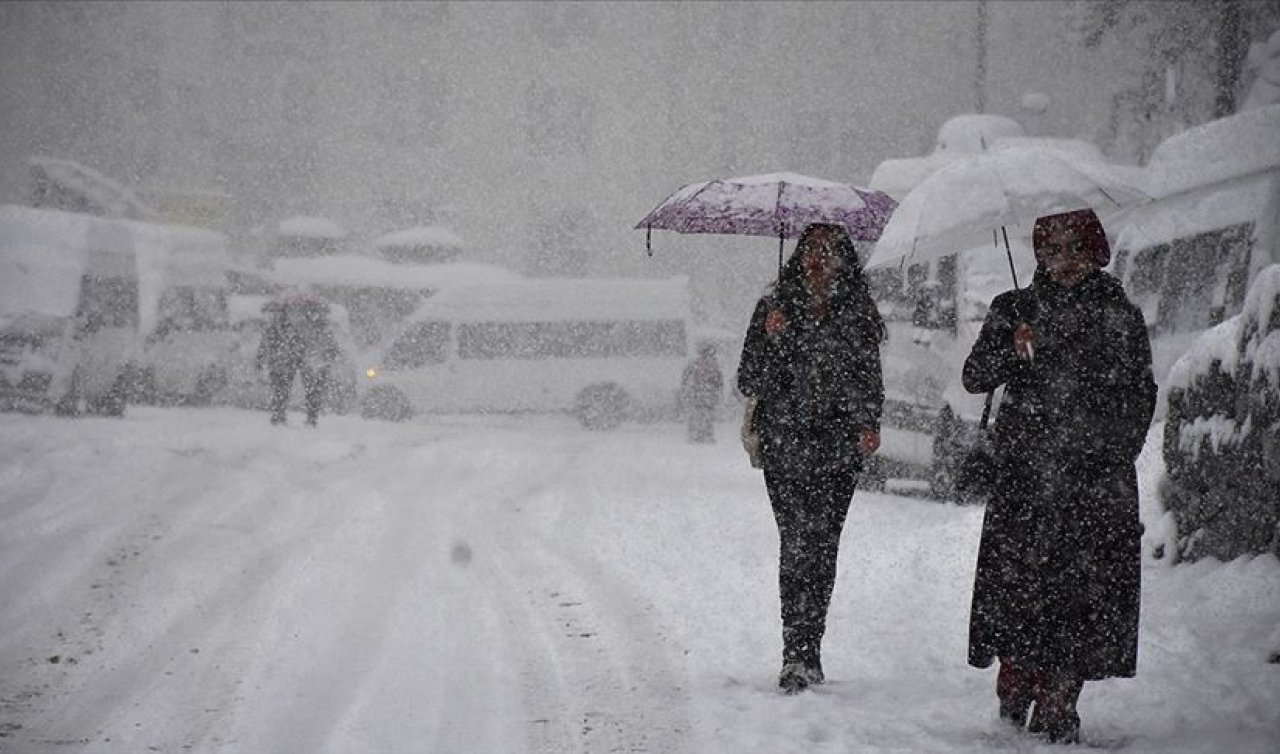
(597, 673)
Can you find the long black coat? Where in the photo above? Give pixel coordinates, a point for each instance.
(818, 383)
(1057, 583)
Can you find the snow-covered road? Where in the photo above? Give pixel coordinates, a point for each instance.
(188, 580)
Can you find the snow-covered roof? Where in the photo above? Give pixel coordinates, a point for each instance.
(1244, 143)
(310, 227)
(351, 269)
(562, 299)
(896, 177)
(422, 235)
(975, 132)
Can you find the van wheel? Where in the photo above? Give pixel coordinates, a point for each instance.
(386, 403)
(602, 407)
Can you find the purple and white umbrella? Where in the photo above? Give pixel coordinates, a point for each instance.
(775, 204)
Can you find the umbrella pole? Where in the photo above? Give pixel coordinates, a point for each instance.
(1008, 253)
(648, 238)
(780, 255)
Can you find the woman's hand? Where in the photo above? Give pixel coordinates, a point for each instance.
(1024, 342)
(868, 442)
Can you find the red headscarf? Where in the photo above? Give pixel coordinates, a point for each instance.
(1083, 224)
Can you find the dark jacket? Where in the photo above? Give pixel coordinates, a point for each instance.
(296, 339)
(701, 384)
(818, 383)
(1057, 582)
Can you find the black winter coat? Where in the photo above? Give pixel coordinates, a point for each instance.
(818, 383)
(1057, 582)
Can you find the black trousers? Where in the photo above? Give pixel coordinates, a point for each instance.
(314, 382)
(810, 511)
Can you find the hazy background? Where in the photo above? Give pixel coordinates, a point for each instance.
(541, 132)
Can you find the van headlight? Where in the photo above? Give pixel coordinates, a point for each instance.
(371, 372)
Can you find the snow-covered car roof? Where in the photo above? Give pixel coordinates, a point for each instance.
(561, 299)
(305, 226)
(356, 270)
(422, 235)
(1231, 147)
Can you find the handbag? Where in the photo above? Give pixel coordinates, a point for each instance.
(978, 469)
(750, 435)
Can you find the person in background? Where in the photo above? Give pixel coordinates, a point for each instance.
(298, 340)
(1056, 591)
(811, 371)
(701, 386)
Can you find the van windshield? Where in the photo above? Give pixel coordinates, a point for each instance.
(107, 301)
(190, 308)
(421, 343)
(570, 340)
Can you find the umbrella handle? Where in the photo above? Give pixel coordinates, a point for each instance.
(1009, 254)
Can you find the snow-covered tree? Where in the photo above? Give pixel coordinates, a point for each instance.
(1195, 71)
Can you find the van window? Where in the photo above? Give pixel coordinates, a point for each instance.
(192, 308)
(420, 344)
(569, 340)
(107, 302)
(1192, 283)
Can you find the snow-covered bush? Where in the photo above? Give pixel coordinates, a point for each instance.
(1222, 437)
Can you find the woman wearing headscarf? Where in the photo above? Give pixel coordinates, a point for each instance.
(1056, 593)
(810, 368)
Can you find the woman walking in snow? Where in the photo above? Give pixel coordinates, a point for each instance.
(1056, 593)
(810, 368)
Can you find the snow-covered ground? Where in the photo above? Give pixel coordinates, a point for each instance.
(188, 580)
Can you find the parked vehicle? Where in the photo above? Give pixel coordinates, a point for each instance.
(605, 350)
(1187, 257)
(377, 293)
(69, 311)
(184, 313)
(98, 311)
(1222, 434)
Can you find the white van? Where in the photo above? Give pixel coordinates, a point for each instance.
(92, 309)
(68, 311)
(604, 349)
(1188, 256)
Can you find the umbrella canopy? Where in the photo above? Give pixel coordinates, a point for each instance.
(963, 204)
(780, 205)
